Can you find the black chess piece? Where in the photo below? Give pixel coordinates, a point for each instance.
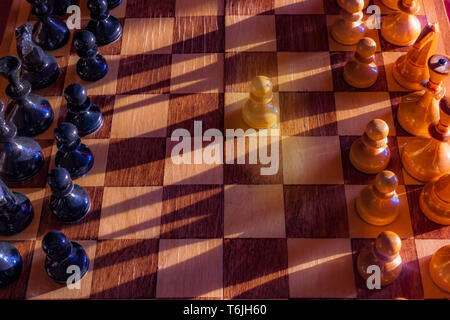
(50, 33)
(72, 155)
(59, 7)
(16, 211)
(85, 115)
(31, 113)
(62, 254)
(114, 4)
(39, 67)
(103, 25)
(21, 158)
(91, 66)
(69, 202)
(11, 264)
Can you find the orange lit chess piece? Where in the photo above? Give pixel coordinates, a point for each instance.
(370, 153)
(361, 71)
(349, 28)
(418, 110)
(427, 159)
(435, 200)
(440, 268)
(384, 252)
(411, 69)
(390, 4)
(402, 28)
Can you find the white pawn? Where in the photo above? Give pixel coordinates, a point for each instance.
(349, 28)
(361, 71)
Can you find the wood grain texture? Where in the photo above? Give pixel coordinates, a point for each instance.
(249, 7)
(408, 285)
(308, 114)
(135, 162)
(316, 212)
(150, 8)
(192, 211)
(331, 7)
(255, 269)
(189, 8)
(299, 7)
(301, 33)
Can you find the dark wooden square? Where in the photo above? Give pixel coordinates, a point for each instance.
(302, 33)
(135, 162)
(144, 74)
(202, 204)
(150, 8)
(308, 114)
(331, 7)
(255, 269)
(249, 7)
(318, 211)
(125, 269)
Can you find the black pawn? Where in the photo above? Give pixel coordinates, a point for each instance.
(16, 211)
(91, 66)
(113, 4)
(39, 67)
(103, 25)
(11, 264)
(60, 6)
(72, 155)
(21, 158)
(69, 202)
(62, 254)
(50, 33)
(85, 115)
(31, 113)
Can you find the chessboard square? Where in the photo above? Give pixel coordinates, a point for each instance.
(361, 229)
(355, 110)
(190, 8)
(298, 7)
(86, 229)
(328, 205)
(423, 227)
(40, 285)
(308, 114)
(409, 180)
(135, 162)
(408, 285)
(249, 7)
(131, 213)
(197, 73)
(192, 211)
(250, 272)
(55, 103)
(242, 67)
(147, 112)
(304, 71)
(250, 33)
(189, 268)
(321, 268)
(311, 29)
(186, 109)
(149, 73)
(198, 34)
(150, 8)
(105, 86)
(36, 196)
(56, 89)
(147, 36)
(425, 250)
(186, 164)
(17, 290)
(389, 59)
(354, 176)
(254, 211)
(125, 269)
(312, 160)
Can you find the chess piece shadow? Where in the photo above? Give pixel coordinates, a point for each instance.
(11, 264)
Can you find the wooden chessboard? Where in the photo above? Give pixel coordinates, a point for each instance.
(161, 230)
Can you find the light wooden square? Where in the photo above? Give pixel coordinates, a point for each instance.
(254, 211)
(358, 228)
(105, 86)
(190, 268)
(41, 287)
(320, 268)
(355, 109)
(312, 160)
(188, 8)
(131, 213)
(304, 71)
(409, 180)
(142, 115)
(147, 36)
(298, 7)
(250, 33)
(55, 102)
(425, 250)
(36, 196)
(389, 59)
(197, 73)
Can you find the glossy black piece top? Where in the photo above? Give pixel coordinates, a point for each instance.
(10, 68)
(60, 6)
(56, 246)
(11, 264)
(60, 181)
(85, 43)
(75, 94)
(113, 4)
(91, 66)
